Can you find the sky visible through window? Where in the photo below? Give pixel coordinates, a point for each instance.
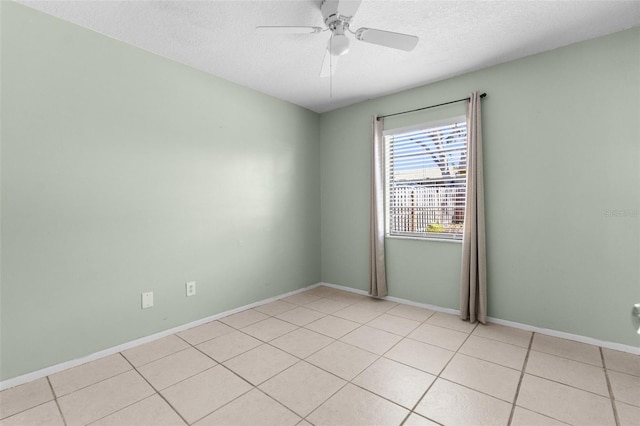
(417, 150)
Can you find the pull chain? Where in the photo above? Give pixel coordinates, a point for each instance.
(331, 67)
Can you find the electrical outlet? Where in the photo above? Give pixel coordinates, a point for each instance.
(190, 288)
(147, 300)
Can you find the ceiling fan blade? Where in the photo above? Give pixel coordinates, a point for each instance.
(329, 64)
(288, 30)
(348, 8)
(387, 38)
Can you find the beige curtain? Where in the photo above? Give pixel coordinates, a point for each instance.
(473, 286)
(377, 272)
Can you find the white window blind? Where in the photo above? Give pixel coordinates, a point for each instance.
(425, 171)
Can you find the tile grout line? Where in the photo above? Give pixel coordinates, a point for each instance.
(609, 391)
(156, 391)
(502, 341)
(347, 382)
(256, 387)
(524, 367)
(437, 376)
(157, 359)
(164, 357)
(253, 387)
(616, 418)
(89, 385)
(4, 419)
(240, 330)
(378, 355)
(230, 401)
(275, 400)
(120, 409)
(569, 386)
(360, 325)
(262, 342)
(566, 357)
(491, 362)
(313, 365)
(188, 377)
(55, 398)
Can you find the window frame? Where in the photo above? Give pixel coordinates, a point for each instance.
(422, 236)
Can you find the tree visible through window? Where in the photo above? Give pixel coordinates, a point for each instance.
(425, 179)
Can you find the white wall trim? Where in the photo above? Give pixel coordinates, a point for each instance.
(9, 383)
(395, 299)
(568, 336)
(575, 337)
(349, 289)
(19, 380)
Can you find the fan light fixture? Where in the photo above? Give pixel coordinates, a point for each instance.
(339, 45)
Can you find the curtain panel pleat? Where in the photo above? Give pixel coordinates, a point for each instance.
(473, 286)
(377, 271)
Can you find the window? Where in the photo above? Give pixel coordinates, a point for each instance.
(425, 180)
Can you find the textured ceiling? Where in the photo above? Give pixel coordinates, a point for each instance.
(456, 37)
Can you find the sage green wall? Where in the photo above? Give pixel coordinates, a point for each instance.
(124, 172)
(562, 148)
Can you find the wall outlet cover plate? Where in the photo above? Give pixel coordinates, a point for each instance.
(147, 300)
(190, 288)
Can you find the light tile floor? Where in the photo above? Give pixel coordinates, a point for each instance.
(328, 357)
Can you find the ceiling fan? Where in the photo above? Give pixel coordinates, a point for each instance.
(337, 16)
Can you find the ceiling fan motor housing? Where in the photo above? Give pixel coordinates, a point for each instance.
(338, 24)
(331, 14)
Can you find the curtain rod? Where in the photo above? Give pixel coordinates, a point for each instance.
(427, 107)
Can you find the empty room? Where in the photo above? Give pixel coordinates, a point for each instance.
(319, 212)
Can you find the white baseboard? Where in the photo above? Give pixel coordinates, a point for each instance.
(555, 333)
(394, 299)
(568, 336)
(9, 383)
